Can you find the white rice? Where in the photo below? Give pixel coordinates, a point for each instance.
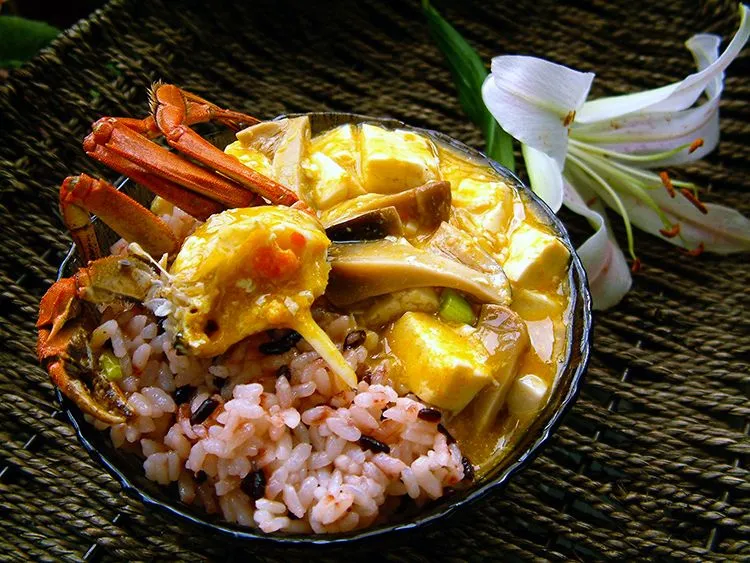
(317, 450)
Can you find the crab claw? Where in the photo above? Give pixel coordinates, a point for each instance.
(64, 324)
(70, 364)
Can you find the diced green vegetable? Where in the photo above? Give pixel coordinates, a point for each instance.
(454, 308)
(110, 366)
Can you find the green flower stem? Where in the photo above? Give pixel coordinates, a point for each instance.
(468, 72)
(602, 183)
(628, 157)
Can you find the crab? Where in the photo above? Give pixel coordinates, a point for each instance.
(204, 184)
(258, 261)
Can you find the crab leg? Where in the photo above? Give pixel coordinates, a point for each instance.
(82, 195)
(172, 119)
(192, 203)
(198, 111)
(130, 145)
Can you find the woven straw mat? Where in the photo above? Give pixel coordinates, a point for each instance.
(652, 461)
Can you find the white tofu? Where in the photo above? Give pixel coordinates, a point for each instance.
(439, 365)
(340, 145)
(536, 259)
(534, 305)
(526, 396)
(251, 158)
(330, 183)
(394, 161)
(491, 203)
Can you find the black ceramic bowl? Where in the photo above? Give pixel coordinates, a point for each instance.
(128, 469)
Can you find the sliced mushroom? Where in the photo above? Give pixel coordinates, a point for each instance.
(370, 225)
(422, 208)
(285, 143)
(461, 246)
(506, 338)
(367, 269)
(387, 308)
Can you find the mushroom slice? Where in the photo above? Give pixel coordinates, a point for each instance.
(505, 336)
(422, 208)
(368, 269)
(370, 225)
(461, 246)
(285, 143)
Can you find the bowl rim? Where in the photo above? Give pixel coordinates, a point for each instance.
(579, 291)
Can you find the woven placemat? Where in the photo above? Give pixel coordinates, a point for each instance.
(651, 463)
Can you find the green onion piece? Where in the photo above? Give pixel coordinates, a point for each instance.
(454, 308)
(110, 366)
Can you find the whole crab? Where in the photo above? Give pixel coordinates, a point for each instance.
(208, 183)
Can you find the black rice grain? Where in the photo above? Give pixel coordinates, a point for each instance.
(283, 371)
(429, 414)
(468, 469)
(354, 338)
(374, 445)
(443, 430)
(183, 394)
(281, 341)
(201, 477)
(254, 485)
(205, 410)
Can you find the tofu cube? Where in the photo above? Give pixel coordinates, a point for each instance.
(439, 366)
(330, 183)
(491, 203)
(394, 161)
(340, 145)
(536, 259)
(250, 157)
(534, 305)
(527, 396)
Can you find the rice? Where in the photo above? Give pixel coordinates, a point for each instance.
(270, 440)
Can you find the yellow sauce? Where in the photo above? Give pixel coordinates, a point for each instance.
(359, 161)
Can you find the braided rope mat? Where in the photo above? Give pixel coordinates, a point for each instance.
(651, 463)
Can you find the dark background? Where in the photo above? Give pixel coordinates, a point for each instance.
(58, 14)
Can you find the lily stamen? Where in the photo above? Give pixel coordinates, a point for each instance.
(636, 266)
(697, 251)
(692, 198)
(628, 157)
(667, 181)
(698, 143)
(671, 233)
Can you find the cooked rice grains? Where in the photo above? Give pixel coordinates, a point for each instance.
(268, 440)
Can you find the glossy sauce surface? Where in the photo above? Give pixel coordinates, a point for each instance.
(351, 166)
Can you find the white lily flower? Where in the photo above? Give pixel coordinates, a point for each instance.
(584, 153)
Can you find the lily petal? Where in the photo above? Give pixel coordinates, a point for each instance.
(673, 97)
(657, 132)
(545, 177)
(606, 268)
(652, 132)
(519, 96)
(705, 49)
(722, 230)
